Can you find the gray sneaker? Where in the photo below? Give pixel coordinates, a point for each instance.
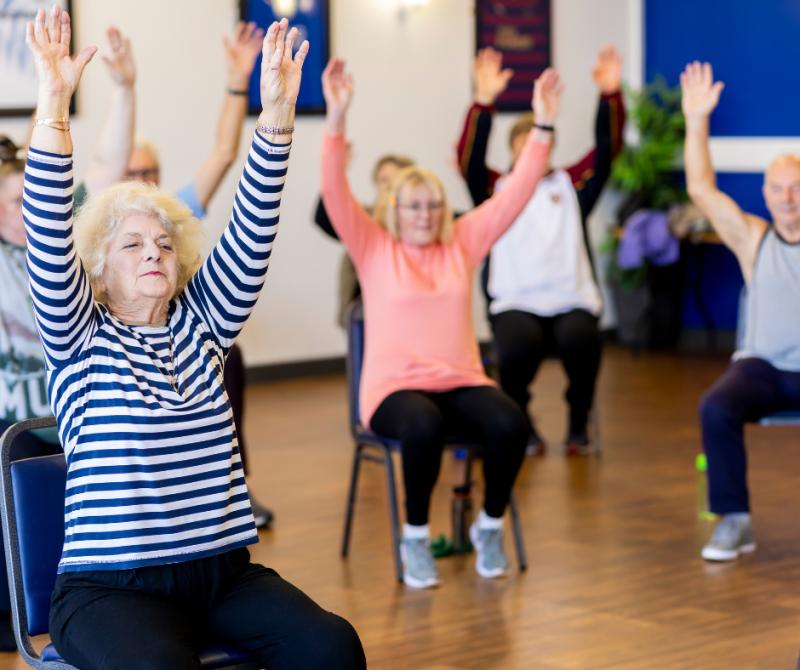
(733, 535)
(419, 568)
(491, 560)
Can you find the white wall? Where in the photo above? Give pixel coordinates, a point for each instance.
(412, 90)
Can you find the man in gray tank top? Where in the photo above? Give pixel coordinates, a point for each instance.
(764, 376)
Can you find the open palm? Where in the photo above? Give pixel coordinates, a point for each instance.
(700, 94)
(280, 74)
(48, 37)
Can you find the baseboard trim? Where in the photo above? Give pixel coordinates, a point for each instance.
(281, 371)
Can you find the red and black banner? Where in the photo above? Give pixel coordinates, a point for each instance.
(520, 30)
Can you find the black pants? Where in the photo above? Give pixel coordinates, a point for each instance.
(479, 414)
(523, 340)
(233, 374)
(156, 618)
(750, 389)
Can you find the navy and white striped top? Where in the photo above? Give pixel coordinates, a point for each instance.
(154, 474)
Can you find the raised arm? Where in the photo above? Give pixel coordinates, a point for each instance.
(62, 295)
(349, 219)
(479, 229)
(489, 81)
(227, 286)
(590, 174)
(740, 231)
(113, 148)
(241, 52)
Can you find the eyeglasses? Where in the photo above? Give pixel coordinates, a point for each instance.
(419, 207)
(145, 174)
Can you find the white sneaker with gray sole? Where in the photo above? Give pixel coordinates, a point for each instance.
(732, 536)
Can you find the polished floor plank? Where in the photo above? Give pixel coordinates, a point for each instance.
(615, 579)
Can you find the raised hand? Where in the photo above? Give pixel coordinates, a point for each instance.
(337, 87)
(700, 92)
(280, 74)
(607, 72)
(120, 61)
(241, 52)
(547, 90)
(489, 78)
(48, 37)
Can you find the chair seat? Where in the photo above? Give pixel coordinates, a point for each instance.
(788, 418)
(213, 657)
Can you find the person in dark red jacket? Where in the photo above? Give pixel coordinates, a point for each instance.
(539, 280)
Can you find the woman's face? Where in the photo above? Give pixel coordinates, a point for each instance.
(12, 227)
(420, 212)
(141, 264)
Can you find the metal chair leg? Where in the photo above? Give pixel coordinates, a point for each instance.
(516, 527)
(393, 513)
(597, 437)
(351, 500)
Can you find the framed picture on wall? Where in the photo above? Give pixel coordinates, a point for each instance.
(17, 72)
(521, 32)
(311, 17)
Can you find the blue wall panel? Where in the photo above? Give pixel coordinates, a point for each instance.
(713, 278)
(754, 47)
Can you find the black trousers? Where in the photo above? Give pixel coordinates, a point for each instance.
(523, 340)
(156, 618)
(479, 414)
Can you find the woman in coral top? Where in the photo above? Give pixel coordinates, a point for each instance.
(423, 377)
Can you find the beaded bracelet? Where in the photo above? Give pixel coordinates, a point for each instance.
(274, 130)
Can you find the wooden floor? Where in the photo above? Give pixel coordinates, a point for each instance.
(615, 577)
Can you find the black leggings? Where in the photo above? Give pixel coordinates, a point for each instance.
(523, 340)
(158, 617)
(422, 421)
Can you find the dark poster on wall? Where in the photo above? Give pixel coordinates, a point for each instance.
(520, 30)
(311, 19)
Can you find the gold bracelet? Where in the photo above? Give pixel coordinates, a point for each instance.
(56, 124)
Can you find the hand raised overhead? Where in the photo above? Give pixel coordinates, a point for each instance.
(547, 90)
(700, 92)
(241, 52)
(489, 78)
(120, 58)
(48, 37)
(607, 72)
(337, 87)
(280, 73)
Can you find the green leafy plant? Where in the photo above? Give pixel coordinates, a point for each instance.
(647, 169)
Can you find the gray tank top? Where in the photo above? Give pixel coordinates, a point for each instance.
(772, 306)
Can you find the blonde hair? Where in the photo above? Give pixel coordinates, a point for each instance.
(98, 220)
(386, 209)
(522, 126)
(143, 144)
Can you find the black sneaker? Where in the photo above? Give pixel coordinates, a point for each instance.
(578, 445)
(263, 515)
(536, 445)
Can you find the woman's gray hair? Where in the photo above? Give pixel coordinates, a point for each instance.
(97, 221)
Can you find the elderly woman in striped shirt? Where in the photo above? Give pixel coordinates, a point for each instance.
(157, 518)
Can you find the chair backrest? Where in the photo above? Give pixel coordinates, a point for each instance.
(33, 527)
(741, 318)
(354, 321)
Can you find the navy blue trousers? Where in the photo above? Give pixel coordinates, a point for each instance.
(750, 389)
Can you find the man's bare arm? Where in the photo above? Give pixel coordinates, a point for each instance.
(741, 232)
(113, 148)
(241, 53)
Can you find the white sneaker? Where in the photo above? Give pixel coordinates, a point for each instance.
(491, 560)
(419, 567)
(732, 536)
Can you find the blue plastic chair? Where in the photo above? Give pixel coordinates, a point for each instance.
(32, 509)
(375, 448)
